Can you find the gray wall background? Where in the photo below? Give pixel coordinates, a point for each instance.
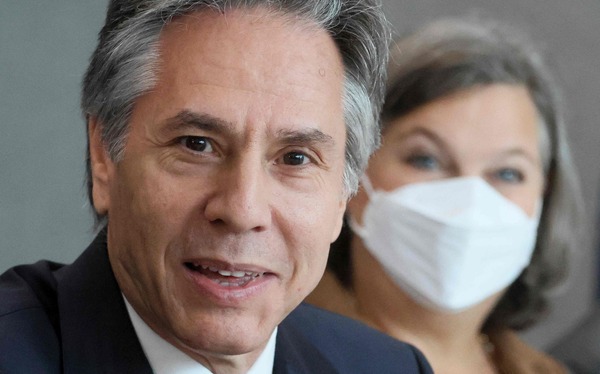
(44, 51)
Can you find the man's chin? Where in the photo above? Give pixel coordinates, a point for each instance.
(224, 338)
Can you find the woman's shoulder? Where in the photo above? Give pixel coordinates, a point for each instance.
(512, 355)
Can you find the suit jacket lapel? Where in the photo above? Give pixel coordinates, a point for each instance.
(97, 335)
(296, 355)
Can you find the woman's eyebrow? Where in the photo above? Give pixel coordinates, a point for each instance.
(423, 131)
(520, 152)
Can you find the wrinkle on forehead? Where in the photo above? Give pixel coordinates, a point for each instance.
(225, 66)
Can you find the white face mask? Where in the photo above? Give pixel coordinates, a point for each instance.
(449, 244)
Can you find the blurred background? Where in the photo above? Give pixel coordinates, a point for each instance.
(44, 50)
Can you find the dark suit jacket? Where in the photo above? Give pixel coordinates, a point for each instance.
(72, 319)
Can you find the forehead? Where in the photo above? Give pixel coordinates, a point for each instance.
(497, 115)
(255, 52)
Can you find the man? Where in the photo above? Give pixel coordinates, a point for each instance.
(224, 140)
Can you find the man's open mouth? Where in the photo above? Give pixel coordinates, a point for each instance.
(225, 278)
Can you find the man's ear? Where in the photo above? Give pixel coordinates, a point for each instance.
(340, 218)
(101, 167)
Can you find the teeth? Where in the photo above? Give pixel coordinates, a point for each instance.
(227, 273)
(230, 284)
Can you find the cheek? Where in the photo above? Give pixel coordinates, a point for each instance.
(388, 170)
(383, 170)
(147, 215)
(527, 198)
(145, 221)
(154, 199)
(532, 204)
(310, 268)
(307, 234)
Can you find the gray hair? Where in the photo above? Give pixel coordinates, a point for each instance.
(123, 66)
(451, 55)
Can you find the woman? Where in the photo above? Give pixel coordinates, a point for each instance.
(467, 211)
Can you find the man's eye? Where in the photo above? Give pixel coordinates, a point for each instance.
(510, 175)
(197, 143)
(295, 158)
(423, 161)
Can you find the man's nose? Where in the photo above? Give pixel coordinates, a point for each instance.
(241, 200)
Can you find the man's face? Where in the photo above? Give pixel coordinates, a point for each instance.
(221, 212)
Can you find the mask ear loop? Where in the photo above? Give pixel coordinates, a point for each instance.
(355, 226)
(366, 183)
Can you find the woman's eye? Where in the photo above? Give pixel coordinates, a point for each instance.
(422, 161)
(295, 158)
(197, 143)
(510, 175)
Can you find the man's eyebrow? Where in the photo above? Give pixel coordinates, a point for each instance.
(306, 137)
(187, 119)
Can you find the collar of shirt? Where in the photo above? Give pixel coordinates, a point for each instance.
(164, 358)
